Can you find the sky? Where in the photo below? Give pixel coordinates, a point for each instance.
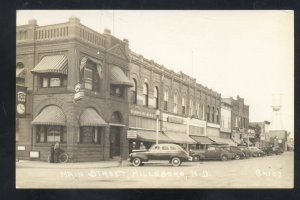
(245, 53)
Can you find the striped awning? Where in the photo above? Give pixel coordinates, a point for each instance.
(90, 117)
(181, 138)
(219, 140)
(52, 64)
(150, 136)
(51, 115)
(117, 77)
(202, 139)
(20, 72)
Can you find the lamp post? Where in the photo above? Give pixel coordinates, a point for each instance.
(157, 113)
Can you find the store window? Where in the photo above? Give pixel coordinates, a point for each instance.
(166, 99)
(133, 91)
(52, 134)
(91, 78)
(175, 103)
(90, 135)
(156, 95)
(117, 91)
(183, 105)
(145, 94)
(53, 80)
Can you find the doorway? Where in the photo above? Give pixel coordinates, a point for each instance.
(115, 141)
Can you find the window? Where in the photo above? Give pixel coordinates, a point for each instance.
(165, 148)
(208, 114)
(197, 111)
(213, 115)
(116, 91)
(90, 135)
(211, 148)
(173, 148)
(217, 115)
(91, 78)
(145, 93)
(183, 105)
(156, 97)
(50, 134)
(134, 92)
(53, 80)
(175, 103)
(191, 107)
(166, 98)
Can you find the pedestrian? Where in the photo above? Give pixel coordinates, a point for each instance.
(51, 157)
(142, 146)
(133, 146)
(56, 152)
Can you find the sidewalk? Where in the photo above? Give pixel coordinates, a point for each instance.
(78, 165)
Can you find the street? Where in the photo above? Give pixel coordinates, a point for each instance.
(275, 171)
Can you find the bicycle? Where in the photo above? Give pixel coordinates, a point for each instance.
(64, 157)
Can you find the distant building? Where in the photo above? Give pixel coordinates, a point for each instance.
(225, 131)
(264, 136)
(279, 138)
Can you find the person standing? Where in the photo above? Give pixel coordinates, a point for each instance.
(56, 152)
(142, 146)
(51, 159)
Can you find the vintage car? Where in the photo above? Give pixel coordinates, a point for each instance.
(245, 150)
(237, 151)
(172, 153)
(272, 150)
(213, 152)
(256, 152)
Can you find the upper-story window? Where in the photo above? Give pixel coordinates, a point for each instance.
(134, 92)
(208, 114)
(175, 103)
(156, 95)
(213, 114)
(20, 74)
(217, 116)
(166, 99)
(197, 111)
(53, 80)
(183, 105)
(91, 78)
(191, 107)
(145, 94)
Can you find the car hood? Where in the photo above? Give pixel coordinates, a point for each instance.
(139, 150)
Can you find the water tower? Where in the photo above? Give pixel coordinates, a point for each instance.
(276, 114)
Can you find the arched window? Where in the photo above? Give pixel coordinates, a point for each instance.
(208, 113)
(145, 93)
(20, 74)
(213, 114)
(156, 94)
(166, 99)
(175, 103)
(134, 92)
(183, 105)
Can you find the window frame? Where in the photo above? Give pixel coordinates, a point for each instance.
(45, 130)
(145, 94)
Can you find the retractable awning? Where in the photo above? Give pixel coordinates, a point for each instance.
(90, 117)
(222, 141)
(51, 115)
(150, 136)
(180, 138)
(52, 64)
(20, 72)
(117, 77)
(202, 139)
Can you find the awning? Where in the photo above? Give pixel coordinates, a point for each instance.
(117, 77)
(90, 117)
(20, 72)
(150, 136)
(290, 145)
(51, 115)
(202, 139)
(52, 64)
(222, 141)
(181, 138)
(99, 65)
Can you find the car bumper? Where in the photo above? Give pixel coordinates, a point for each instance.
(190, 158)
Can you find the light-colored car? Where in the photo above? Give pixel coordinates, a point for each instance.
(171, 153)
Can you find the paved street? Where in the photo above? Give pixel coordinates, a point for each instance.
(266, 172)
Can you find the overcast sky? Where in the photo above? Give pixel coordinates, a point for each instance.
(245, 53)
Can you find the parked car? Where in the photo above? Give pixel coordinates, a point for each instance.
(237, 151)
(245, 150)
(256, 152)
(172, 153)
(272, 150)
(213, 152)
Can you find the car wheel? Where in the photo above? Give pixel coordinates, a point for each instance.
(196, 158)
(136, 162)
(237, 157)
(176, 161)
(224, 158)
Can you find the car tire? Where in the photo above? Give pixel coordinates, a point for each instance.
(237, 157)
(176, 161)
(196, 158)
(136, 162)
(224, 158)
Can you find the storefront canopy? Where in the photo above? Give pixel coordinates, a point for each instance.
(201, 139)
(117, 77)
(51, 115)
(150, 136)
(90, 117)
(180, 138)
(52, 64)
(222, 141)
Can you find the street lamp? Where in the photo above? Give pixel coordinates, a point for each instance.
(157, 113)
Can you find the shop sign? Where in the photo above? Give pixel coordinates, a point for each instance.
(131, 134)
(21, 101)
(142, 113)
(213, 125)
(175, 120)
(21, 148)
(34, 154)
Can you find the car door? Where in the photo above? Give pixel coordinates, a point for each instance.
(211, 153)
(165, 153)
(154, 153)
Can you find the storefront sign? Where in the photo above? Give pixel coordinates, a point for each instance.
(213, 125)
(142, 113)
(21, 148)
(34, 154)
(175, 120)
(21, 101)
(131, 134)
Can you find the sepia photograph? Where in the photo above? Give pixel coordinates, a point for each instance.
(110, 99)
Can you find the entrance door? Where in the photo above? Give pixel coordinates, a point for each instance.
(115, 133)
